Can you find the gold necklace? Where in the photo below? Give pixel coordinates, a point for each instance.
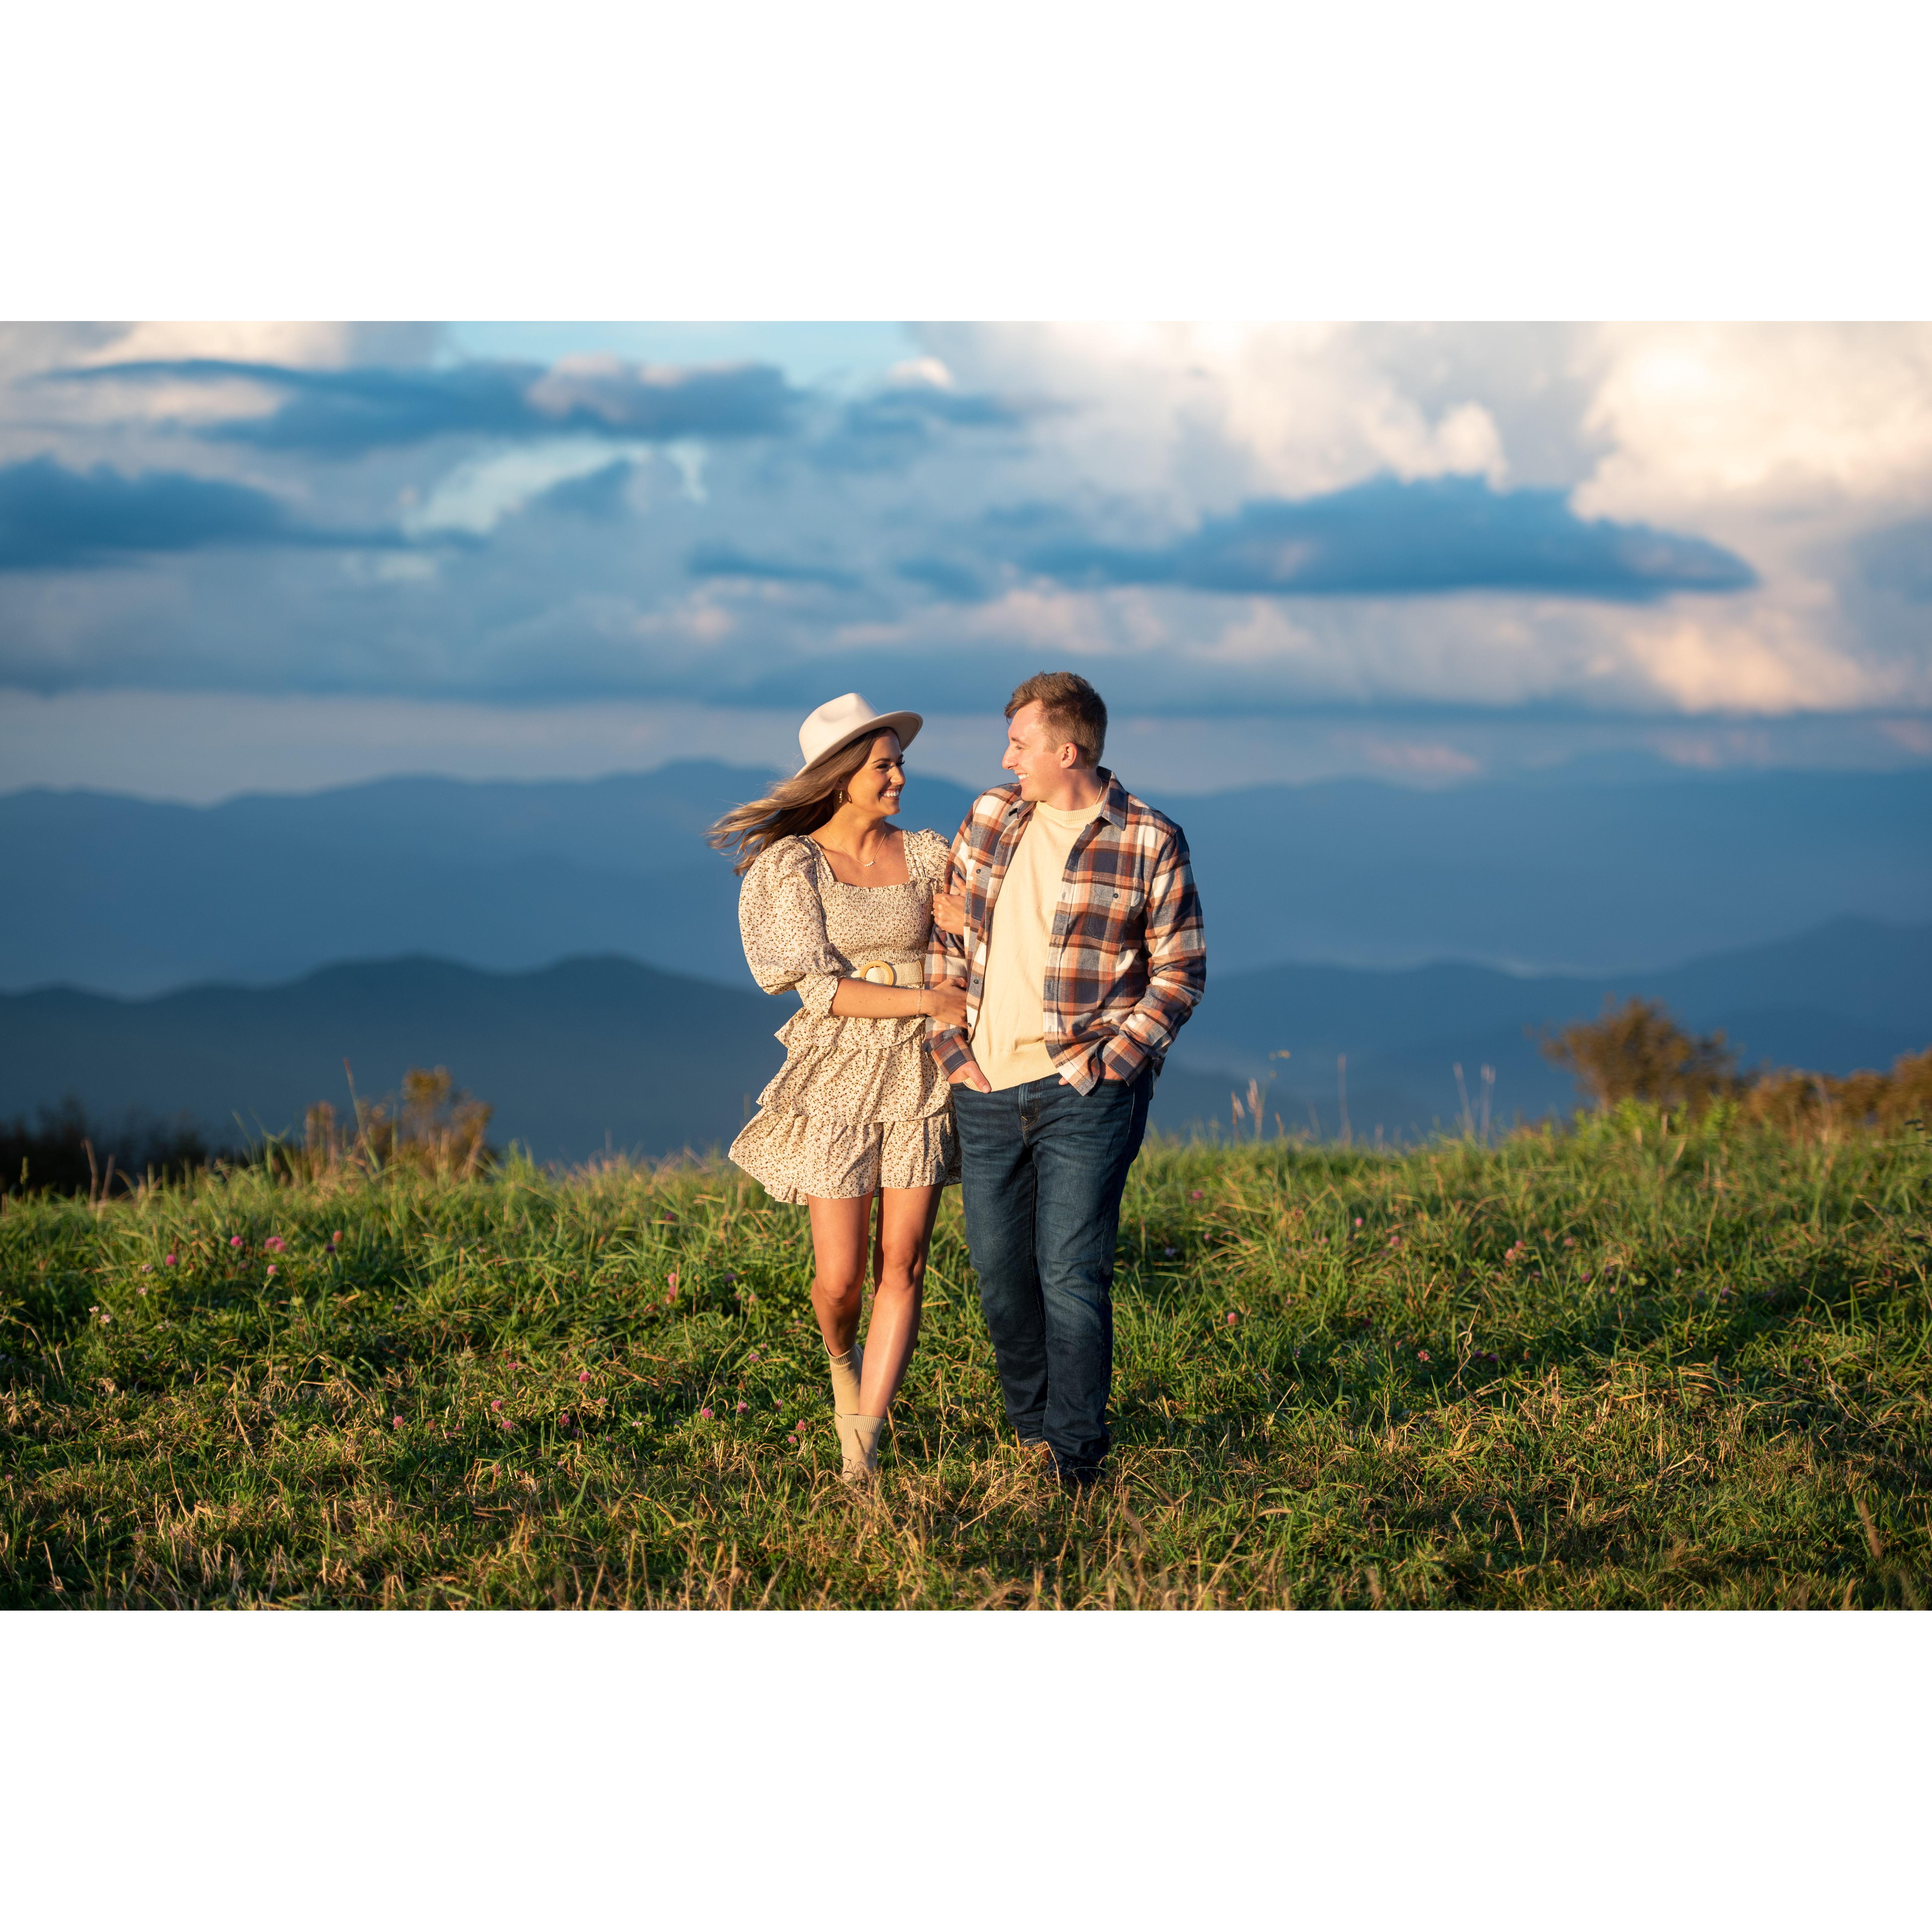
(864, 864)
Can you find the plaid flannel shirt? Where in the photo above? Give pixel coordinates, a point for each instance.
(1128, 953)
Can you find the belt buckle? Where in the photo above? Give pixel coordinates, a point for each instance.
(879, 973)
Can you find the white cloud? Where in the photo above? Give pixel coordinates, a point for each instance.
(926, 371)
(124, 409)
(1206, 413)
(687, 457)
(1785, 444)
(478, 493)
(1766, 663)
(1438, 763)
(1703, 420)
(301, 345)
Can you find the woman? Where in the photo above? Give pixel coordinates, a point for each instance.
(836, 905)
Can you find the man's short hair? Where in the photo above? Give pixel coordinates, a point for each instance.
(1070, 707)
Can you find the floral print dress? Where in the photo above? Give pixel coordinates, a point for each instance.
(860, 1104)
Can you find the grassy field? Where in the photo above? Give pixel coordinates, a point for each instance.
(1620, 1368)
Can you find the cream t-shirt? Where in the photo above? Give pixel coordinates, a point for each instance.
(1009, 1034)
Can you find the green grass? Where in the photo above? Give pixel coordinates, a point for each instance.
(1618, 1368)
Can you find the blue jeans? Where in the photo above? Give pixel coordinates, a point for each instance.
(1042, 1167)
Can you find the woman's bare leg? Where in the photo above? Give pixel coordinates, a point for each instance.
(839, 1231)
(906, 1216)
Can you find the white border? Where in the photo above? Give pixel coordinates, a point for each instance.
(1479, 1771)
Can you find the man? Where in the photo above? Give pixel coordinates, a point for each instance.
(1083, 953)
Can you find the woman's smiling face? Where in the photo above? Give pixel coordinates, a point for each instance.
(874, 787)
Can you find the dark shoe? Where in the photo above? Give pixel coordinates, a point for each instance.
(1077, 1478)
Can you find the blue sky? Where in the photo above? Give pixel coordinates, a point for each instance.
(832, 353)
(321, 550)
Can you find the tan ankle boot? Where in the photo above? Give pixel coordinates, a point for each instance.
(858, 1439)
(845, 1372)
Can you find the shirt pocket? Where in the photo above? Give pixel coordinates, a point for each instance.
(1117, 903)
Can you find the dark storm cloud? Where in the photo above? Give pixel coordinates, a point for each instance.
(1390, 539)
(53, 517)
(726, 559)
(945, 577)
(895, 425)
(346, 412)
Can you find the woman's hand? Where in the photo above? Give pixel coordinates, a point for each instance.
(945, 1003)
(949, 910)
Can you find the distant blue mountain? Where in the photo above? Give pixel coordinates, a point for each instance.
(123, 896)
(597, 1051)
(1595, 874)
(1852, 993)
(580, 1053)
(1536, 875)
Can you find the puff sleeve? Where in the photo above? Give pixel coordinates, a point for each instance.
(927, 855)
(782, 919)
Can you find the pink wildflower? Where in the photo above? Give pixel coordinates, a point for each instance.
(1231, 1318)
(744, 1407)
(142, 1290)
(498, 1403)
(169, 1260)
(1195, 1195)
(395, 1422)
(272, 1267)
(234, 1240)
(1422, 1354)
(274, 1244)
(147, 1267)
(583, 1374)
(704, 1415)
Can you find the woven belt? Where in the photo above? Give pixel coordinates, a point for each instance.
(908, 972)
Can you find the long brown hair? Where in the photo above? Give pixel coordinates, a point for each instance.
(793, 805)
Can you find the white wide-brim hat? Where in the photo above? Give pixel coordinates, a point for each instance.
(833, 726)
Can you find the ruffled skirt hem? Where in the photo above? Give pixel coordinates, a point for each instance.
(793, 1156)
